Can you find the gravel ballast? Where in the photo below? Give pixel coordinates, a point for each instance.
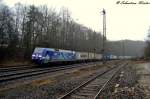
(124, 85)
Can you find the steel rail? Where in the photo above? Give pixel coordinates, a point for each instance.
(19, 67)
(86, 83)
(107, 82)
(11, 73)
(35, 73)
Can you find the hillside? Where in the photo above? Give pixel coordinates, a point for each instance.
(126, 47)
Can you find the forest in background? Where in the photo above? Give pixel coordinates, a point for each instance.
(127, 48)
(22, 28)
(147, 48)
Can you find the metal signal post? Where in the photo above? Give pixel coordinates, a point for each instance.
(104, 36)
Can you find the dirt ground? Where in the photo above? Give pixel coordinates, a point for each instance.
(143, 70)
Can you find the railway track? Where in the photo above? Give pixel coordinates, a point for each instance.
(25, 67)
(18, 74)
(15, 68)
(92, 88)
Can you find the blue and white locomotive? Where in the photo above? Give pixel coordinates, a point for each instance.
(47, 55)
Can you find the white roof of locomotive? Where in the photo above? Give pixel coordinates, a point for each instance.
(40, 49)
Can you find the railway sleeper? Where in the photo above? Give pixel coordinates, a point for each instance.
(79, 97)
(89, 89)
(85, 94)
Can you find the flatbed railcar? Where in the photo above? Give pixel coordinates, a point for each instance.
(51, 55)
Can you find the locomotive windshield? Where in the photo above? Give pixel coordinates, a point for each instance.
(38, 50)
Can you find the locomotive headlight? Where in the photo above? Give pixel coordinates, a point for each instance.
(33, 55)
(40, 56)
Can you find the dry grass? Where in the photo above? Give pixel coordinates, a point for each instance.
(43, 82)
(53, 79)
(67, 75)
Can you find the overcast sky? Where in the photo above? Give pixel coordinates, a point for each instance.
(124, 21)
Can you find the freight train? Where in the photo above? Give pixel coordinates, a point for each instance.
(50, 55)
